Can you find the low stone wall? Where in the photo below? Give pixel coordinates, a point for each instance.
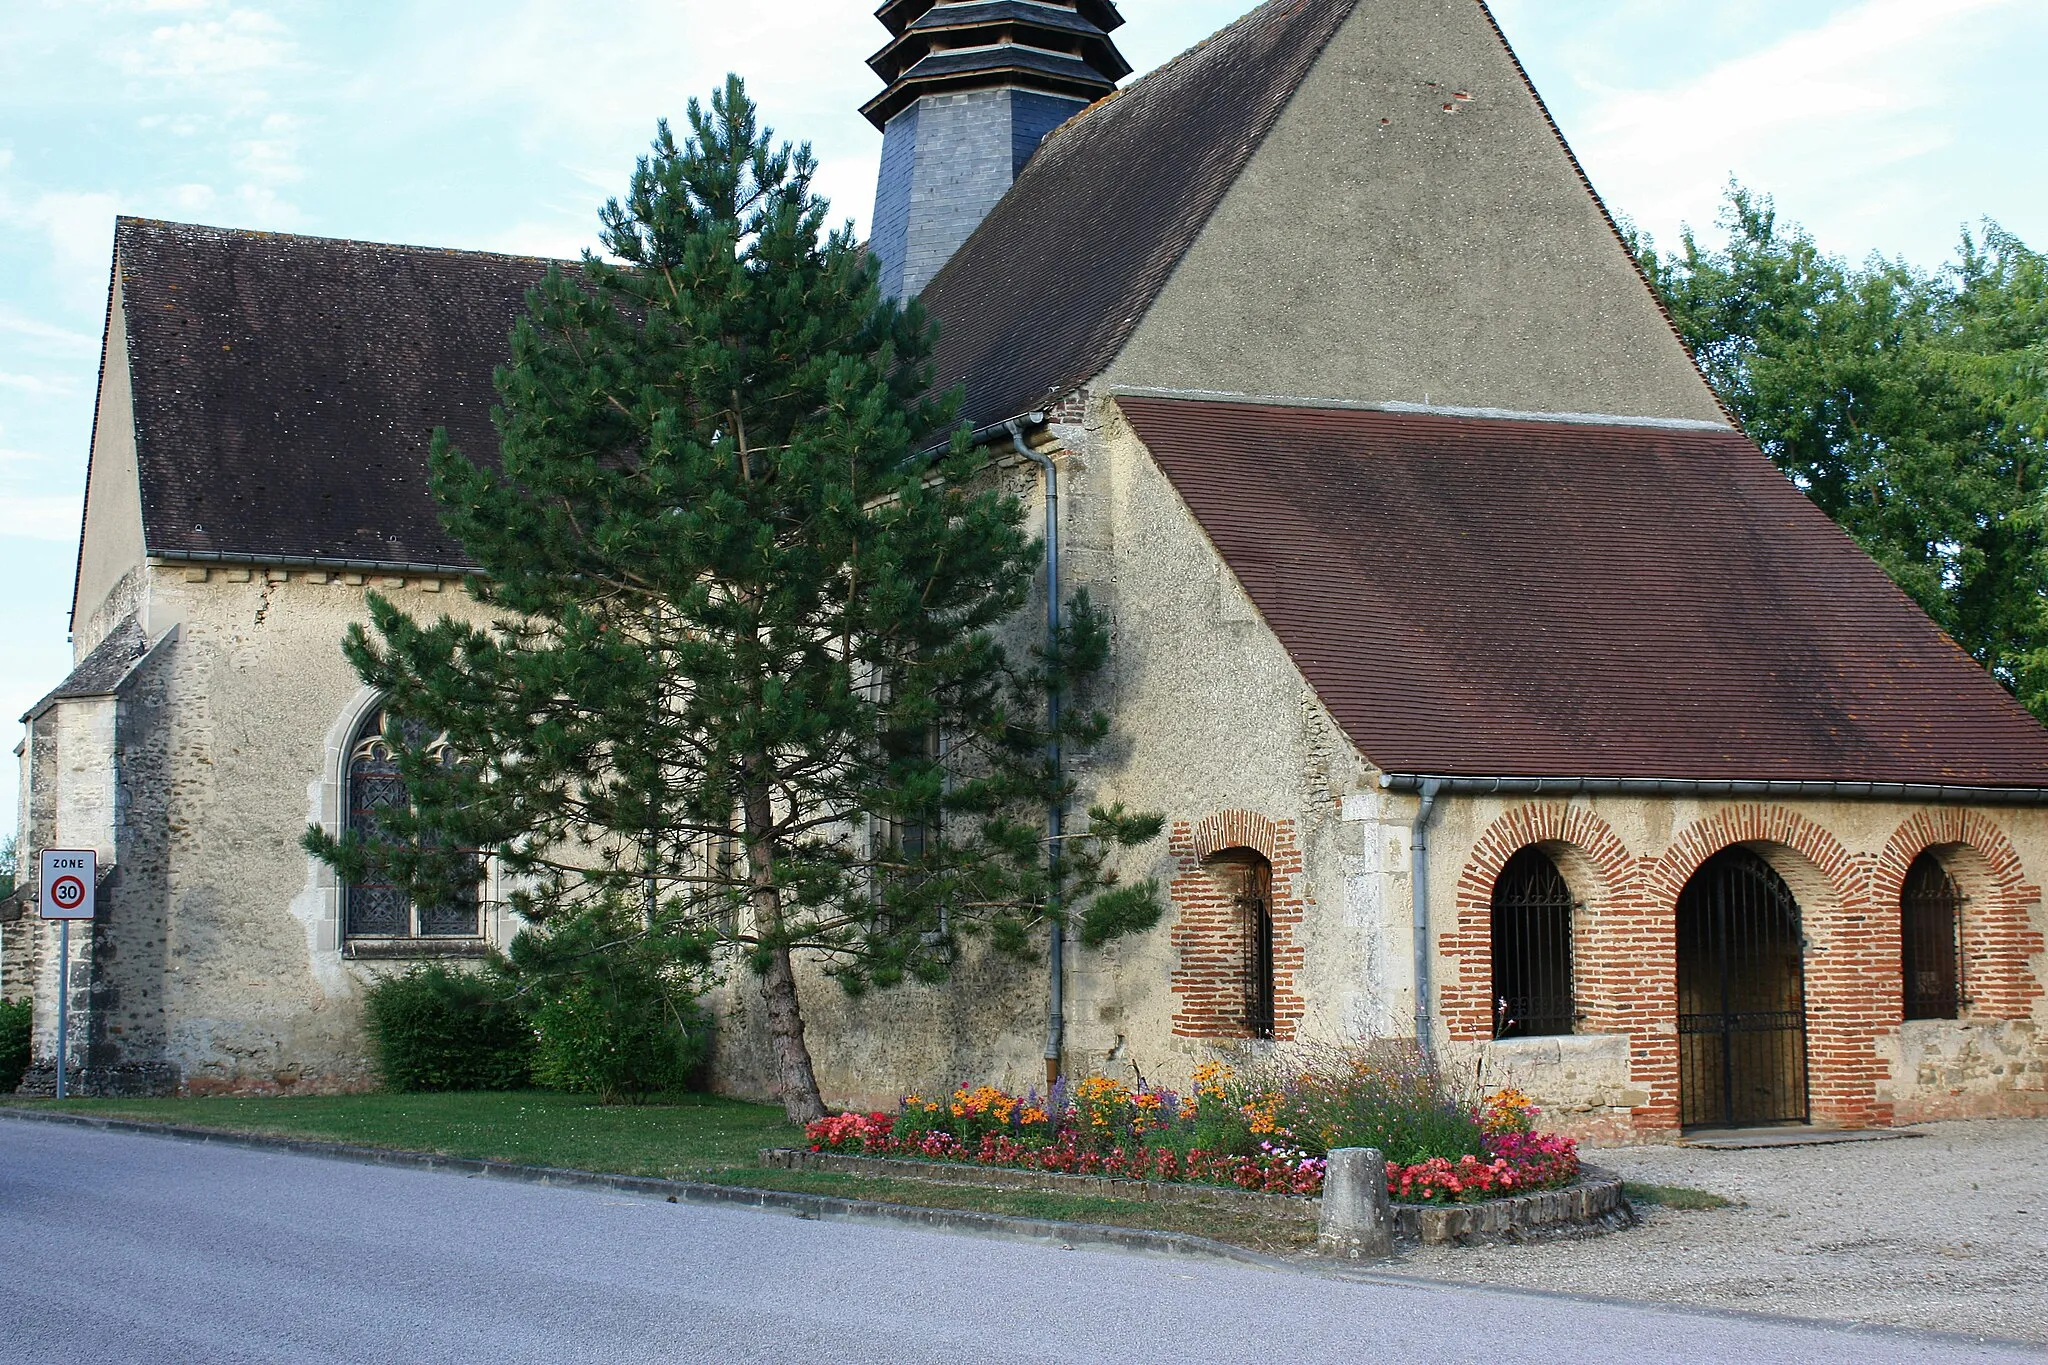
(1593, 1203)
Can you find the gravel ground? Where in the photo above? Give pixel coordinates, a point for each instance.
(1946, 1230)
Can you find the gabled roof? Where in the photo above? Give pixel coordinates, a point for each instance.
(1544, 599)
(287, 388)
(1044, 294)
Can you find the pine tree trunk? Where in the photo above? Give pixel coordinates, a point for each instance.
(795, 1078)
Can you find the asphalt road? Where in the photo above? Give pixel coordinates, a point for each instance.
(118, 1248)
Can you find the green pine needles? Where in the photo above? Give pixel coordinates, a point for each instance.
(752, 668)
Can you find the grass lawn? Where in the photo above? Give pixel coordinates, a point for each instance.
(697, 1137)
(1675, 1196)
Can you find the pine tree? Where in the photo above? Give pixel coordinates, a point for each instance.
(749, 670)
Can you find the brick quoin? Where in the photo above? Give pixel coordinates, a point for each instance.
(1625, 949)
(1208, 932)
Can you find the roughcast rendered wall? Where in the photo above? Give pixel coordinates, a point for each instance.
(256, 993)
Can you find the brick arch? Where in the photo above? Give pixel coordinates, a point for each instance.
(1213, 834)
(1847, 1009)
(1208, 980)
(1999, 939)
(1734, 825)
(1465, 997)
(1549, 823)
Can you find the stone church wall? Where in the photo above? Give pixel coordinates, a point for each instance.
(1236, 752)
(239, 969)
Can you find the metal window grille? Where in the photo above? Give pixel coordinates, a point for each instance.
(1249, 879)
(380, 909)
(1533, 993)
(1256, 903)
(1741, 996)
(1930, 918)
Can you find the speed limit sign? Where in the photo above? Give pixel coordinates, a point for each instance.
(66, 890)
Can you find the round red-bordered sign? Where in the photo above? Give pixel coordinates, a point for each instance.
(67, 893)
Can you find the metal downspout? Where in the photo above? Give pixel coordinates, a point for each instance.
(1418, 881)
(1056, 978)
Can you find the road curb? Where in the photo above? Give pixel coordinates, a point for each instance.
(992, 1225)
(821, 1207)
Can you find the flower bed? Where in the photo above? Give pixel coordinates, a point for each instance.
(1264, 1135)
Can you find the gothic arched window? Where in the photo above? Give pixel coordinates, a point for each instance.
(1930, 913)
(1532, 949)
(377, 909)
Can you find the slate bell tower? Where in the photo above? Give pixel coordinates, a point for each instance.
(974, 87)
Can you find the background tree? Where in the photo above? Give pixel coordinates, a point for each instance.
(9, 866)
(749, 674)
(1910, 406)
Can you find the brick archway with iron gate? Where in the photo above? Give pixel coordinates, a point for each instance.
(1741, 996)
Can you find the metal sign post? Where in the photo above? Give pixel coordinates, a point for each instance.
(65, 892)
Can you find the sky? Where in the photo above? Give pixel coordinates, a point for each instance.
(1883, 126)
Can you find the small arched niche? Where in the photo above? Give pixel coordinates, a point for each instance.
(1246, 877)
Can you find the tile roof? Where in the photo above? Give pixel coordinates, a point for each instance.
(286, 388)
(1044, 294)
(101, 672)
(1476, 597)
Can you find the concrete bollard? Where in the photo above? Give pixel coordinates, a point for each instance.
(1357, 1221)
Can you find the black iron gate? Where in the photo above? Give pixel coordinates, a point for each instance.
(1741, 996)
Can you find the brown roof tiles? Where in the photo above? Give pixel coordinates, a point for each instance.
(286, 388)
(1518, 598)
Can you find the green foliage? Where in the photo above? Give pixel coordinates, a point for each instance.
(439, 1029)
(17, 1020)
(749, 580)
(1911, 407)
(10, 866)
(1384, 1095)
(614, 1007)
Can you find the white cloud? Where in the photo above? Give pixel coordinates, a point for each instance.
(45, 517)
(245, 42)
(37, 385)
(52, 338)
(272, 158)
(79, 226)
(1834, 110)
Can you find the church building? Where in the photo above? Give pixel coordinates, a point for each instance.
(1497, 689)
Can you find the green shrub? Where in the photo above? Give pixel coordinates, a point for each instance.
(438, 1029)
(598, 1038)
(615, 1007)
(16, 1021)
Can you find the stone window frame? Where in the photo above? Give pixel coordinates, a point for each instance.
(332, 818)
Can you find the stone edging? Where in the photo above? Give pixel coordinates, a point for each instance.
(814, 1206)
(1593, 1202)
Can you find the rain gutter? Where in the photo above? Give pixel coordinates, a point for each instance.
(1918, 793)
(1055, 814)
